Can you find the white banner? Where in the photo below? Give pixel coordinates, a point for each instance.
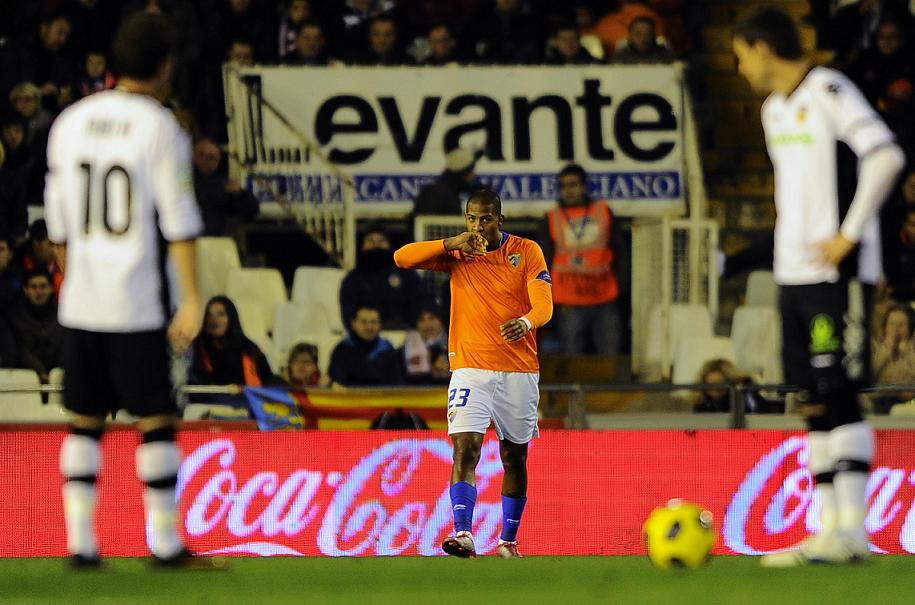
(389, 128)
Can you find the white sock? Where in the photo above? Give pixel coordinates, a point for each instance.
(851, 442)
(157, 461)
(80, 456)
(821, 462)
(79, 513)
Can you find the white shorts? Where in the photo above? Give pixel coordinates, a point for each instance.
(508, 399)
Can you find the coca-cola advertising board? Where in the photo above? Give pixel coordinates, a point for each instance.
(386, 493)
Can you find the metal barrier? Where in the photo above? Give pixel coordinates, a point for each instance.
(577, 412)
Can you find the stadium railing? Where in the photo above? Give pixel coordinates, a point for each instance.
(575, 412)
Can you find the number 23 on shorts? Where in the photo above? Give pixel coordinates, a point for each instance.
(461, 395)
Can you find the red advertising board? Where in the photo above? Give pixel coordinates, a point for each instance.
(386, 493)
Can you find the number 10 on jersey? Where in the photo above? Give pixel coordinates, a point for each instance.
(117, 180)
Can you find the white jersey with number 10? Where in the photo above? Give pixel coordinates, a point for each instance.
(119, 182)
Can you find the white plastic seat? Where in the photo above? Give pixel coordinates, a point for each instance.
(762, 290)
(216, 256)
(253, 323)
(685, 321)
(397, 337)
(293, 319)
(693, 352)
(320, 284)
(263, 285)
(26, 406)
(757, 336)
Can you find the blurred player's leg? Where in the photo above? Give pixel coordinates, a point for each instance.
(852, 448)
(80, 461)
(158, 461)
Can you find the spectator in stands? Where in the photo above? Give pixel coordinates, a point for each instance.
(425, 350)
(447, 194)
(900, 268)
(37, 253)
(887, 60)
(295, 14)
(580, 240)
(642, 45)
(10, 279)
(301, 369)
(724, 372)
(613, 28)
(893, 356)
(853, 26)
(565, 46)
(383, 44)
(310, 46)
(443, 46)
(509, 34)
(224, 204)
(222, 354)
(356, 19)
(26, 101)
(241, 20)
(898, 111)
(377, 282)
(15, 166)
(45, 59)
(96, 76)
(34, 322)
(240, 53)
(93, 23)
(363, 357)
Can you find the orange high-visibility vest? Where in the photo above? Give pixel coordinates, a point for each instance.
(582, 268)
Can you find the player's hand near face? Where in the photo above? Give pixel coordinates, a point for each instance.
(514, 329)
(471, 244)
(833, 251)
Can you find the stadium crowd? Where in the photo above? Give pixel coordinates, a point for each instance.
(53, 52)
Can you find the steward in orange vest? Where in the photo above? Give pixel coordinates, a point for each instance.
(578, 239)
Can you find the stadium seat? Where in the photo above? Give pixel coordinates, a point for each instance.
(263, 285)
(395, 336)
(294, 319)
(254, 324)
(216, 256)
(685, 321)
(693, 351)
(757, 336)
(26, 406)
(320, 284)
(762, 291)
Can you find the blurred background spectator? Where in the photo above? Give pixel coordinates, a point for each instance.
(724, 372)
(564, 46)
(10, 277)
(37, 253)
(221, 354)
(301, 368)
(642, 46)
(38, 335)
(893, 356)
(225, 205)
(295, 14)
(380, 284)
(425, 350)
(364, 357)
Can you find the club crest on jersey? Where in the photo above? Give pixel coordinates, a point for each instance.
(514, 259)
(802, 114)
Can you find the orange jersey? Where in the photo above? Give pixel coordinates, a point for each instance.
(487, 291)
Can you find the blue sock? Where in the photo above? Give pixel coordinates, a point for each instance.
(463, 498)
(512, 509)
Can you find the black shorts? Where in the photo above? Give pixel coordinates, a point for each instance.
(825, 345)
(105, 372)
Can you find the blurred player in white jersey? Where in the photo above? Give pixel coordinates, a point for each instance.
(119, 199)
(835, 164)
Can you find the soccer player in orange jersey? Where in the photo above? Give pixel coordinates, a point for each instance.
(500, 294)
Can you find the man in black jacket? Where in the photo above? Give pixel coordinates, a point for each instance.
(443, 196)
(363, 357)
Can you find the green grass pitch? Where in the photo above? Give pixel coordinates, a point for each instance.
(404, 580)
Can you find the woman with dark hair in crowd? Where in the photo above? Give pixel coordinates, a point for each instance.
(301, 370)
(222, 354)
